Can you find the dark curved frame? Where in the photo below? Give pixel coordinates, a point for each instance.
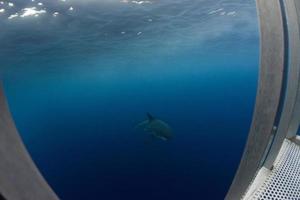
(19, 177)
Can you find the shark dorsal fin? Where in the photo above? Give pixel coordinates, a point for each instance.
(150, 117)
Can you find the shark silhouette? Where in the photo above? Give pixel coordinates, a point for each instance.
(156, 128)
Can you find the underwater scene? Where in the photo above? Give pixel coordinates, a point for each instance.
(125, 99)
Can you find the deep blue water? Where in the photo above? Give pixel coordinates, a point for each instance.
(78, 83)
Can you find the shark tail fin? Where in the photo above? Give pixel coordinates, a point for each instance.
(150, 117)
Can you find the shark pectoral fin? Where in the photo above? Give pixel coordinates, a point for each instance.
(141, 125)
(163, 138)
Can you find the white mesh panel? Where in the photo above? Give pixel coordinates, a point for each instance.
(283, 182)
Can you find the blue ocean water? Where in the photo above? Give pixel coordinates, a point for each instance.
(79, 82)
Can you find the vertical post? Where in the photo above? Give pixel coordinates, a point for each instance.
(293, 12)
(287, 116)
(268, 96)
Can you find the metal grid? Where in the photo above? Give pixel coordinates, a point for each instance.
(283, 182)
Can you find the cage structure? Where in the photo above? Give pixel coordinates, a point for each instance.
(270, 165)
(269, 168)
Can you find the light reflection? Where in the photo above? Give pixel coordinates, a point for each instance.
(141, 2)
(215, 11)
(13, 16)
(136, 2)
(55, 14)
(233, 13)
(32, 12)
(222, 12)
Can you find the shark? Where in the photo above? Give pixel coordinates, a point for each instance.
(156, 127)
